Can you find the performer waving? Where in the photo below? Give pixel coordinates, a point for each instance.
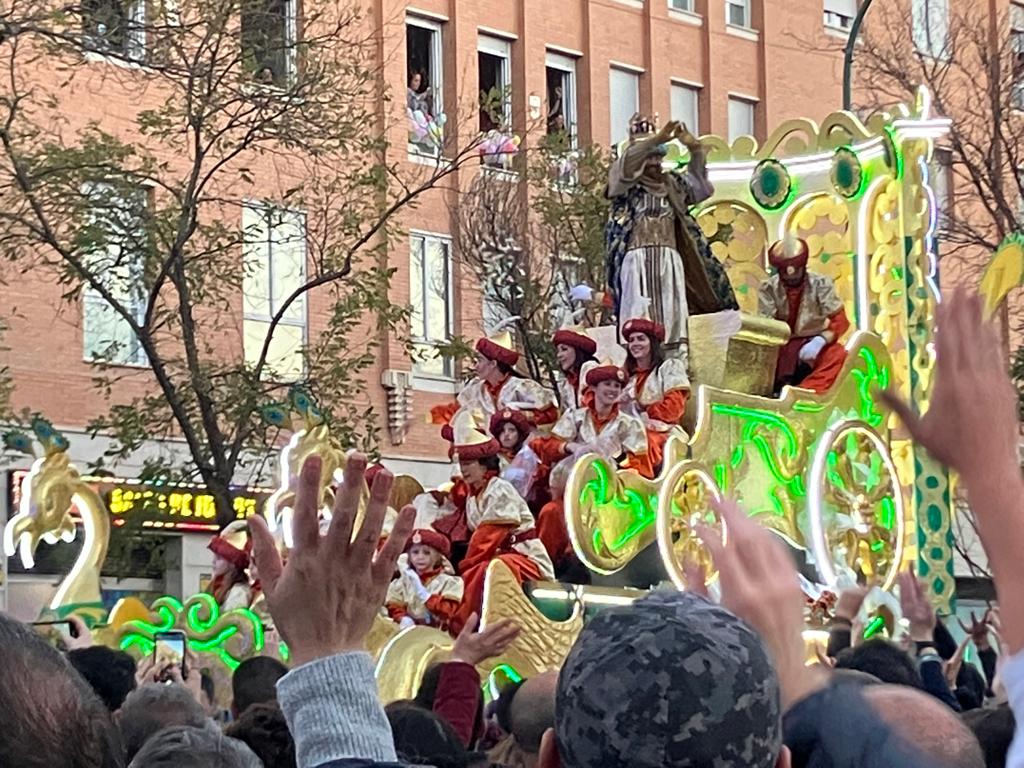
(657, 391)
(498, 518)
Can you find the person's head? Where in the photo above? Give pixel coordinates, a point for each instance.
(231, 549)
(423, 738)
(474, 471)
(789, 256)
(532, 711)
(606, 381)
(265, 731)
(209, 690)
(427, 549)
(970, 687)
(110, 673)
(706, 674)
(510, 428)
(49, 714)
(153, 708)
(186, 746)
(994, 729)
(495, 358)
(883, 659)
(643, 344)
(573, 348)
(926, 724)
(255, 682)
(416, 81)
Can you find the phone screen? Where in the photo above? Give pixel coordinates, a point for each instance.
(55, 632)
(169, 648)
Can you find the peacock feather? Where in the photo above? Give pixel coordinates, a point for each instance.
(16, 440)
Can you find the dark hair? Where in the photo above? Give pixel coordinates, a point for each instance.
(502, 711)
(255, 681)
(994, 729)
(265, 730)
(582, 358)
(490, 463)
(154, 707)
(207, 685)
(507, 370)
(38, 689)
(886, 661)
(110, 673)
(423, 738)
(657, 356)
(185, 746)
(970, 687)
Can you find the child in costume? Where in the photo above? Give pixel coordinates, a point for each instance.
(427, 592)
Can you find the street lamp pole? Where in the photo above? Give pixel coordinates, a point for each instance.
(848, 54)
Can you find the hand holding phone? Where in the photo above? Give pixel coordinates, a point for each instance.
(56, 633)
(169, 651)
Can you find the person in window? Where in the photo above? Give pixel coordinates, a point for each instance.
(573, 350)
(498, 386)
(659, 262)
(498, 518)
(808, 303)
(419, 95)
(657, 392)
(556, 111)
(599, 427)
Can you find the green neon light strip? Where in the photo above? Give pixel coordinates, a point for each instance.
(876, 625)
(639, 510)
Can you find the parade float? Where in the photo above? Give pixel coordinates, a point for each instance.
(831, 472)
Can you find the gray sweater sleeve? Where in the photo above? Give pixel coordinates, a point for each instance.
(333, 712)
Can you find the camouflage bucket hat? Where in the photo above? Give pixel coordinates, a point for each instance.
(671, 681)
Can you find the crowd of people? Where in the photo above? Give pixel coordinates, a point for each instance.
(673, 679)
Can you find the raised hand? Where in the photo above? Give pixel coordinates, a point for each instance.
(916, 608)
(324, 600)
(851, 600)
(474, 647)
(978, 630)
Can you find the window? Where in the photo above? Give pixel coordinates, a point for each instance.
(561, 95)
(268, 40)
(737, 13)
(495, 75)
(274, 263)
(115, 26)
(1017, 47)
(681, 5)
(685, 107)
(431, 296)
(931, 26)
(623, 102)
(839, 14)
(115, 251)
(424, 85)
(741, 118)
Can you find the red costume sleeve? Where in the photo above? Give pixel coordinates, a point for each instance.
(442, 414)
(639, 463)
(670, 409)
(542, 416)
(484, 544)
(839, 324)
(396, 611)
(442, 607)
(549, 449)
(457, 700)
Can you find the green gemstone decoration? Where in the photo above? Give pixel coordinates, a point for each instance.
(847, 173)
(771, 184)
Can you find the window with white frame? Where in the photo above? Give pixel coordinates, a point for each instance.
(681, 5)
(268, 40)
(115, 252)
(741, 118)
(930, 19)
(839, 14)
(737, 13)
(1017, 49)
(623, 101)
(686, 106)
(274, 263)
(494, 61)
(561, 95)
(424, 85)
(431, 295)
(115, 27)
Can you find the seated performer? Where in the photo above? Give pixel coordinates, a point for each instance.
(659, 261)
(500, 522)
(427, 592)
(230, 584)
(521, 468)
(807, 302)
(498, 386)
(598, 427)
(573, 350)
(657, 391)
(510, 428)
